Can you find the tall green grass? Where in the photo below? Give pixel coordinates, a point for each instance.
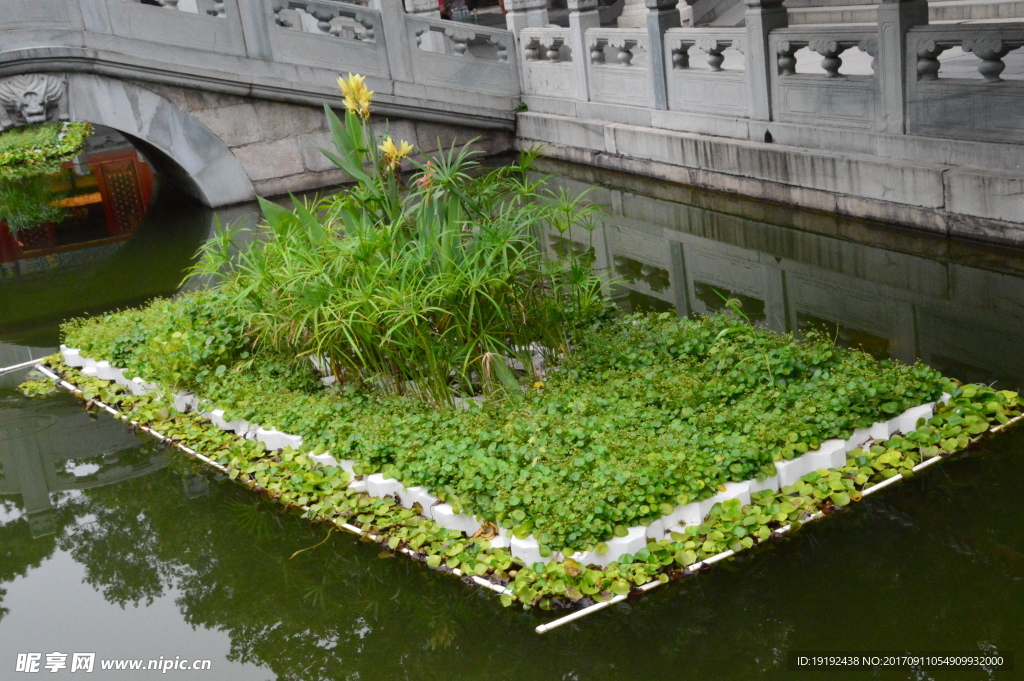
(428, 287)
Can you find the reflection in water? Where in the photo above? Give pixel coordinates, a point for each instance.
(106, 189)
(936, 564)
(893, 293)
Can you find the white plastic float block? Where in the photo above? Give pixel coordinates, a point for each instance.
(240, 426)
(907, 421)
(185, 402)
(72, 356)
(444, 516)
(859, 437)
(502, 540)
(585, 558)
(89, 371)
(830, 454)
(946, 397)
(685, 514)
(733, 490)
(771, 483)
(419, 495)
(137, 386)
(526, 551)
(276, 439)
(635, 539)
(323, 460)
(656, 530)
(379, 486)
(357, 485)
(792, 470)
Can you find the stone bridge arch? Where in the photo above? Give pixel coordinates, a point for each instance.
(189, 153)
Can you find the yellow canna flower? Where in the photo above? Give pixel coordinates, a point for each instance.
(388, 147)
(394, 154)
(357, 96)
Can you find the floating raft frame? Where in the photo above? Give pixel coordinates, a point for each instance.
(699, 566)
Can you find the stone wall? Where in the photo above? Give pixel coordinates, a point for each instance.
(278, 144)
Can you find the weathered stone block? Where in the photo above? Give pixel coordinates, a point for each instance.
(269, 160)
(235, 125)
(278, 120)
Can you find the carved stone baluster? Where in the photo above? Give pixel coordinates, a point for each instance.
(870, 46)
(991, 51)
(323, 16)
(552, 46)
(217, 10)
(625, 50)
(928, 65)
(502, 47)
(787, 60)
(531, 50)
(366, 21)
(460, 38)
(713, 48)
(597, 51)
(681, 55)
(830, 51)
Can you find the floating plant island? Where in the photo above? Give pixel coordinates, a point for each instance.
(659, 447)
(406, 361)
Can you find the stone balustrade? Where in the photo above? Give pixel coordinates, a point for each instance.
(619, 66)
(831, 95)
(971, 103)
(548, 63)
(344, 20)
(706, 71)
(457, 55)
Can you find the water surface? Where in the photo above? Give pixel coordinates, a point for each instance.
(112, 544)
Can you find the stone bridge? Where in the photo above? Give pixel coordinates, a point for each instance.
(230, 94)
(912, 114)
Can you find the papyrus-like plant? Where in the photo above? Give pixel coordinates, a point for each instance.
(435, 287)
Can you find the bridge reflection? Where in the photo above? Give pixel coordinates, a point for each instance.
(48, 447)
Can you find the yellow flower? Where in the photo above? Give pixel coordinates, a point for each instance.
(357, 96)
(393, 155)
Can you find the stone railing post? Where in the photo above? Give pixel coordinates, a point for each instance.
(525, 13)
(661, 16)
(256, 18)
(762, 17)
(395, 39)
(583, 14)
(895, 18)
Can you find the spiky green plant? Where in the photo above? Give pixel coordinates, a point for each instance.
(436, 288)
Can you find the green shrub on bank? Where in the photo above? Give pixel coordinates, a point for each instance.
(649, 412)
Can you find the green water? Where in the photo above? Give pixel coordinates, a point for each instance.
(113, 545)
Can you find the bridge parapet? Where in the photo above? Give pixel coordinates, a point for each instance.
(291, 49)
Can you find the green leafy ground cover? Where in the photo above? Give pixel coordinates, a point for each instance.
(289, 477)
(647, 413)
(28, 154)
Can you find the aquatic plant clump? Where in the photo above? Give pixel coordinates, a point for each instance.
(436, 289)
(649, 412)
(290, 478)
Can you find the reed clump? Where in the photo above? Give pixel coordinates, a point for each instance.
(435, 284)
